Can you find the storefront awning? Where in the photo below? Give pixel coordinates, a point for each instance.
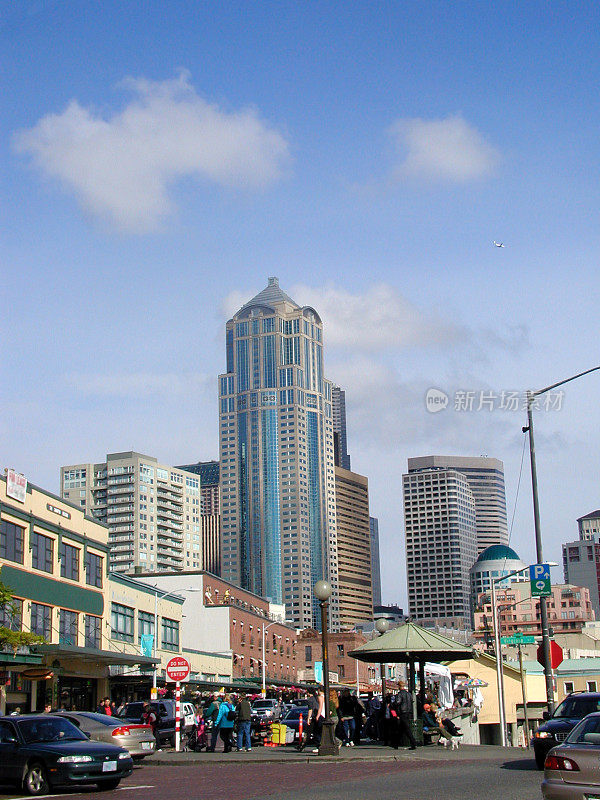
(91, 655)
(10, 660)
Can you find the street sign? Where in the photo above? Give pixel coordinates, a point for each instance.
(518, 638)
(178, 669)
(556, 655)
(539, 576)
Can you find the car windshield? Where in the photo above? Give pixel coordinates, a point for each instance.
(49, 729)
(577, 707)
(586, 732)
(100, 719)
(263, 704)
(294, 713)
(132, 710)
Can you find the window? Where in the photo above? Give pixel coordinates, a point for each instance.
(92, 631)
(69, 561)
(568, 687)
(170, 634)
(341, 671)
(121, 620)
(340, 649)
(11, 615)
(11, 541)
(41, 620)
(42, 552)
(93, 568)
(68, 627)
(145, 625)
(307, 653)
(591, 686)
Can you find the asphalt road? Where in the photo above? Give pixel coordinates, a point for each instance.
(497, 778)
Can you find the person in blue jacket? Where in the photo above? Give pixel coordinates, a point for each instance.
(224, 722)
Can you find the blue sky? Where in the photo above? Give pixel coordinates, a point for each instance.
(160, 160)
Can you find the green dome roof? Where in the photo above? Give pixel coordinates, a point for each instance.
(498, 552)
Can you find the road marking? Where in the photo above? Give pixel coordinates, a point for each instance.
(74, 794)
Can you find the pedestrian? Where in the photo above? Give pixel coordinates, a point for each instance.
(150, 717)
(212, 712)
(224, 722)
(47, 708)
(404, 709)
(359, 718)
(373, 710)
(318, 730)
(346, 711)
(243, 718)
(430, 722)
(311, 719)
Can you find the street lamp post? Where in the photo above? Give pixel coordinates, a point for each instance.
(538, 533)
(382, 625)
(328, 745)
(264, 659)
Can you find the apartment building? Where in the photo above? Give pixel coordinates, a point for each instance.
(152, 510)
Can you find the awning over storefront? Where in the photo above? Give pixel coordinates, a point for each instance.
(93, 656)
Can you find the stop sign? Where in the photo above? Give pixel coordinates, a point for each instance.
(178, 669)
(556, 655)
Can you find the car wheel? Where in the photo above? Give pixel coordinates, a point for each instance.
(110, 785)
(540, 758)
(35, 781)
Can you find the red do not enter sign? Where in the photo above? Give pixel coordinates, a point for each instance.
(178, 669)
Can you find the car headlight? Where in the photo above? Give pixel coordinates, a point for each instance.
(542, 735)
(74, 759)
(124, 755)
(268, 713)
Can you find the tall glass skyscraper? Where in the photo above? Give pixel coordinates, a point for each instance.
(277, 457)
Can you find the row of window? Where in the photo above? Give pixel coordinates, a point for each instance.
(12, 547)
(41, 623)
(122, 626)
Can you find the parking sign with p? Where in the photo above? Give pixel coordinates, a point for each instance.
(539, 576)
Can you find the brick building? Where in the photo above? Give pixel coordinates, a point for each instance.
(340, 644)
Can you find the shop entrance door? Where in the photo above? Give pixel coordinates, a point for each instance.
(77, 693)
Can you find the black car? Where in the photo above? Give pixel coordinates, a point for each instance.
(165, 712)
(292, 719)
(42, 751)
(557, 727)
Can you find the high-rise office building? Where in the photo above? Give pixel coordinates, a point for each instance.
(486, 479)
(375, 561)
(210, 519)
(340, 433)
(581, 559)
(278, 517)
(441, 544)
(152, 510)
(354, 547)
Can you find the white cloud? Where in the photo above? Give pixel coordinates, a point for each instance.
(120, 167)
(140, 384)
(378, 319)
(447, 149)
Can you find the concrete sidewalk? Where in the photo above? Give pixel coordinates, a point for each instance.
(366, 752)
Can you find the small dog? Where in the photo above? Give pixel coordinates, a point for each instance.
(452, 743)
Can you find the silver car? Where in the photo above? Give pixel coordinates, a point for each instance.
(136, 738)
(572, 770)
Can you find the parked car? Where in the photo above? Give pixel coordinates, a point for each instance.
(165, 711)
(189, 714)
(260, 729)
(571, 768)
(557, 727)
(292, 719)
(39, 752)
(268, 708)
(138, 739)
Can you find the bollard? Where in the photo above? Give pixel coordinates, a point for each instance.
(300, 730)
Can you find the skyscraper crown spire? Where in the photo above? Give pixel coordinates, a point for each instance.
(272, 295)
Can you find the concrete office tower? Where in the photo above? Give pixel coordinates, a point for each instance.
(152, 510)
(354, 547)
(210, 512)
(278, 518)
(441, 544)
(581, 567)
(340, 434)
(375, 562)
(486, 479)
(589, 526)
